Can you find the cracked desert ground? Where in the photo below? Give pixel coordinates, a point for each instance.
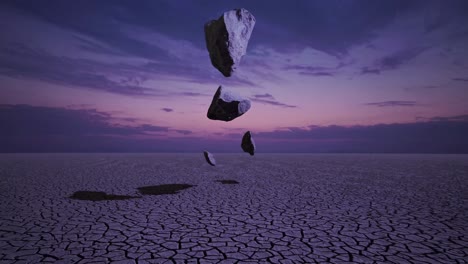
(270, 208)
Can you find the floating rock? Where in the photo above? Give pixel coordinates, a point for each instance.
(227, 105)
(209, 158)
(227, 39)
(248, 144)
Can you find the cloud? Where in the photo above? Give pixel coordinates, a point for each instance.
(460, 79)
(330, 26)
(194, 94)
(393, 103)
(437, 135)
(428, 87)
(393, 61)
(317, 74)
(263, 96)
(182, 131)
(174, 49)
(368, 70)
(272, 102)
(460, 118)
(311, 70)
(446, 14)
(190, 72)
(96, 21)
(399, 58)
(27, 128)
(27, 120)
(22, 62)
(37, 121)
(105, 53)
(167, 110)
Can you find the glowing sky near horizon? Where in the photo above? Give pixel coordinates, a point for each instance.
(308, 62)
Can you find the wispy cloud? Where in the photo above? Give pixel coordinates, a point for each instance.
(194, 94)
(27, 128)
(318, 74)
(183, 131)
(460, 79)
(369, 70)
(399, 58)
(263, 96)
(394, 60)
(45, 129)
(272, 102)
(300, 25)
(461, 118)
(167, 110)
(22, 62)
(121, 59)
(393, 103)
(35, 121)
(311, 70)
(417, 137)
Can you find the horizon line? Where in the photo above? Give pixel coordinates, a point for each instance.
(224, 152)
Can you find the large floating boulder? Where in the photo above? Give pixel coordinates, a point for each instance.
(248, 144)
(209, 158)
(227, 39)
(227, 105)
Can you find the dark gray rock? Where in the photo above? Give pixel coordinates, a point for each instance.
(209, 158)
(248, 144)
(227, 105)
(227, 39)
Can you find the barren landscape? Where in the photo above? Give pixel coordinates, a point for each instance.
(278, 208)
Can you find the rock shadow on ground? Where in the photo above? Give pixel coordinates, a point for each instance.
(98, 196)
(228, 182)
(163, 189)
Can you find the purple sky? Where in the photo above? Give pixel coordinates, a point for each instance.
(323, 76)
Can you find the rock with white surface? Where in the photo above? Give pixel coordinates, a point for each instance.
(209, 158)
(227, 105)
(227, 39)
(248, 144)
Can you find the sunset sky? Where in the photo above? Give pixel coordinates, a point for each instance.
(323, 76)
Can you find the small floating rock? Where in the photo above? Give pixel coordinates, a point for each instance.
(209, 158)
(248, 144)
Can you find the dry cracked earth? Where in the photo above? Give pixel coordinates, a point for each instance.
(175, 208)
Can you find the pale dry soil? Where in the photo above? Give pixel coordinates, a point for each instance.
(269, 208)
